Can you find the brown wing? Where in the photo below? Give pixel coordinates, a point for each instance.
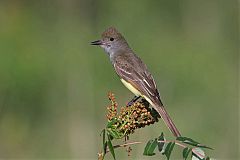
(133, 70)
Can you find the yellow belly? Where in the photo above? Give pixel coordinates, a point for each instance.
(131, 88)
(135, 91)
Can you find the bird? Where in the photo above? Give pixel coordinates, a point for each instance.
(133, 73)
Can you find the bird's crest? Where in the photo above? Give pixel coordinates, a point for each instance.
(111, 32)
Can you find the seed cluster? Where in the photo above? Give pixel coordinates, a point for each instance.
(112, 108)
(130, 118)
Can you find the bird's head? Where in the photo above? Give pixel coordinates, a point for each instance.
(111, 41)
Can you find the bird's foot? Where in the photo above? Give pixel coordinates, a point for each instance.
(135, 98)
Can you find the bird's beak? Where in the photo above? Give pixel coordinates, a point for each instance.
(98, 42)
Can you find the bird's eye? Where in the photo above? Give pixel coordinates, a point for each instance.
(111, 39)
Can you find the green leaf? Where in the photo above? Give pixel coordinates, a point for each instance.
(192, 142)
(150, 147)
(169, 149)
(161, 145)
(104, 143)
(105, 148)
(103, 134)
(186, 152)
(110, 123)
(110, 146)
(198, 154)
(115, 133)
(188, 141)
(203, 146)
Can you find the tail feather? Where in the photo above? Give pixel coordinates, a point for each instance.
(167, 120)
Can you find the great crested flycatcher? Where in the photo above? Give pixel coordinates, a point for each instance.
(133, 72)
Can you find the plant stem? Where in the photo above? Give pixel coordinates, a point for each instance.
(124, 145)
(100, 155)
(137, 142)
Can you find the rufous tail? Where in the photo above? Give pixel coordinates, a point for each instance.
(167, 120)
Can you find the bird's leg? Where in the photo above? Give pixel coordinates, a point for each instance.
(135, 98)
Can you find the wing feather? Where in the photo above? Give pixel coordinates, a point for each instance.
(136, 73)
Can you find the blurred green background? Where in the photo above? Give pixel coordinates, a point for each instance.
(54, 85)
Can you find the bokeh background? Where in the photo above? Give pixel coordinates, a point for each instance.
(54, 85)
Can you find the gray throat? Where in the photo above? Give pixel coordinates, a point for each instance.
(119, 52)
